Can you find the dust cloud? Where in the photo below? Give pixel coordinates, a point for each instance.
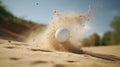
(72, 21)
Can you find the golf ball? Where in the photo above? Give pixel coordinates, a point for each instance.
(62, 34)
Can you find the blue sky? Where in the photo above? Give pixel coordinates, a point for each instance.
(103, 10)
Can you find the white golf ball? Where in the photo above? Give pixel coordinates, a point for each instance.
(62, 34)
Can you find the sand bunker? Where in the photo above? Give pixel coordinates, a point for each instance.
(18, 54)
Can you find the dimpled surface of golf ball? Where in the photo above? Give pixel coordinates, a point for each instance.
(62, 34)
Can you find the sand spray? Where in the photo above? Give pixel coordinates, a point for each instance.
(72, 21)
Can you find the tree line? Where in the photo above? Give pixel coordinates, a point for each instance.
(108, 38)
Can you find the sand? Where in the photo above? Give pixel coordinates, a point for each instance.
(17, 54)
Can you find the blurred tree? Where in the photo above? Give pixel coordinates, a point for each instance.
(107, 40)
(86, 42)
(4, 12)
(115, 38)
(115, 24)
(94, 39)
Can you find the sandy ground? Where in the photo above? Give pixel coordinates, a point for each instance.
(17, 54)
